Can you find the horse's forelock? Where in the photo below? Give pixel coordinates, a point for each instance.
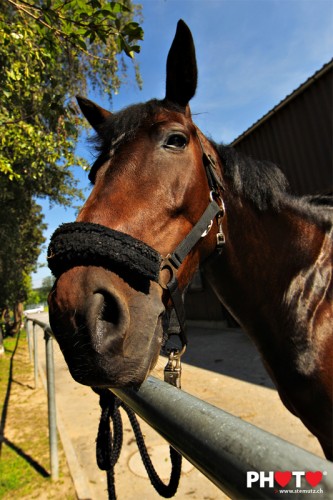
(120, 127)
(123, 126)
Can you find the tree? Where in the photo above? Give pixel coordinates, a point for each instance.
(46, 287)
(33, 296)
(50, 50)
(21, 230)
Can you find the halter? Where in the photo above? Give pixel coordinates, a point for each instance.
(86, 243)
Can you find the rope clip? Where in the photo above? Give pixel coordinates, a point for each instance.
(173, 368)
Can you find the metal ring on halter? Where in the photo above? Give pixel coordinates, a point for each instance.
(175, 353)
(178, 354)
(214, 196)
(172, 269)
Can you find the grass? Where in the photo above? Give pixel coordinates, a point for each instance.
(24, 459)
(15, 472)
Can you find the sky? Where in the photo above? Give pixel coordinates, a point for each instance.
(250, 53)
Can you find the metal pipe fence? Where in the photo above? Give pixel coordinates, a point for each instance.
(50, 385)
(238, 457)
(241, 459)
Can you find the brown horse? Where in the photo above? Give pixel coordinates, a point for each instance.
(271, 264)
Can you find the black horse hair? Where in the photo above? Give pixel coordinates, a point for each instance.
(261, 182)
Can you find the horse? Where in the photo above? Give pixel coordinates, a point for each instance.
(266, 253)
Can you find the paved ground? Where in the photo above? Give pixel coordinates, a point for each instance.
(222, 367)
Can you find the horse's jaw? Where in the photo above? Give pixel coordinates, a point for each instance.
(109, 333)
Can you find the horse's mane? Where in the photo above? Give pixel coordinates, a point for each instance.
(265, 185)
(124, 124)
(325, 200)
(261, 182)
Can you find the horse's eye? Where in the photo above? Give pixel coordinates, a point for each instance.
(176, 141)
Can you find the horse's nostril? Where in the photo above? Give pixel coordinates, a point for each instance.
(111, 315)
(108, 321)
(110, 311)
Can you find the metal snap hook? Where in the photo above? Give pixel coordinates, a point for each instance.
(173, 368)
(209, 227)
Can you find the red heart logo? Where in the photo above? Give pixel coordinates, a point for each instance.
(313, 478)
(282, 478)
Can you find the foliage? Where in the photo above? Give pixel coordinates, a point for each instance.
(40, 295)
(45, 289)
(22, 227)
(50, 50)
(33, 296)
(21, 230)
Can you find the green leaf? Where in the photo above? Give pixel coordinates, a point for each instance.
(96, 4)
(80, 42)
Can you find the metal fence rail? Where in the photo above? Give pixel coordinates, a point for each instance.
(223, 447)
(51, 403)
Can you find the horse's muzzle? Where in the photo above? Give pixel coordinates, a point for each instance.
(94, 315)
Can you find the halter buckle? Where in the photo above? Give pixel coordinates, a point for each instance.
(220, 238)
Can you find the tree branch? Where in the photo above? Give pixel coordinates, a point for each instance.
(56, 31)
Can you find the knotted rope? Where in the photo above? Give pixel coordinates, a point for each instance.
(108, 446)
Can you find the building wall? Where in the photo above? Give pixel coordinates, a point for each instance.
(297, 135)
(201, 303)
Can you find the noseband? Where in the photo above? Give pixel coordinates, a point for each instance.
(88, 244)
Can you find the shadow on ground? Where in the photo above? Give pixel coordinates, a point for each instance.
(4, 412)
(228, 351)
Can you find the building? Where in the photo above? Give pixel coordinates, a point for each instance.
(296, 135)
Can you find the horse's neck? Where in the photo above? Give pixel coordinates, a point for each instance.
(264, 254)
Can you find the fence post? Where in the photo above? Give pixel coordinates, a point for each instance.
(35, 339)
(51, 406)
(27, 327)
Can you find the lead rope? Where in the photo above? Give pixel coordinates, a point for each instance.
(108, 444)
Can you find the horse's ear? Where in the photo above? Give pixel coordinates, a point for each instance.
(95, 115)
(182, 73)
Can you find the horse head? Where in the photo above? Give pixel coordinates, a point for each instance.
(150, 189)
